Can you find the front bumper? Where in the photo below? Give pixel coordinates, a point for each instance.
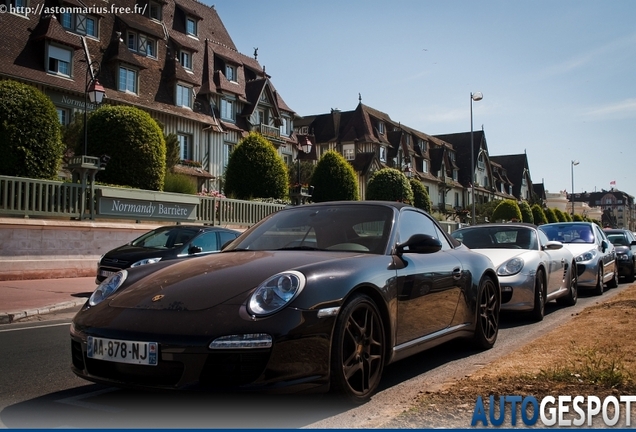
(517, 292)
(298, 359)
(587, 273)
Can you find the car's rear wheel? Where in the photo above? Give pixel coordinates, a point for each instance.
(488, 305)
(598, 289)
(614, 282)
(358, 350)
(538, 312)
(573, 293)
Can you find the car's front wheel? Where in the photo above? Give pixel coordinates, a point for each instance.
(358, 350)
(488, 305)
(573, 293)
(538, 312)
(598, 289)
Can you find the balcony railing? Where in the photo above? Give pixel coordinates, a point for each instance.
(268, 131)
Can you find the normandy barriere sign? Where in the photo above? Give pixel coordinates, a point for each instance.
(135, 204)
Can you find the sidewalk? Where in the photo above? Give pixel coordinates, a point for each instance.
(25, 298)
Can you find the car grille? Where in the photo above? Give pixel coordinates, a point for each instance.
(114, 263)
(231, 369)
(76, 355)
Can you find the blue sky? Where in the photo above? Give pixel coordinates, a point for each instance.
(558, 77)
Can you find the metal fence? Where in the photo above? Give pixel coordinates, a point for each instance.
(46, 198)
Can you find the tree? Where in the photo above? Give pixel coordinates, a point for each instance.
(389, 184)
(550, 215)
(255, 170)
(421, 199)
(307, 168)
(135, 144)
(560, 215)
(334, 179)
(526, 212)
(507, 210)
(539, 215)
(577, 218)
(30, 135)
(173, 152)
(485, 210)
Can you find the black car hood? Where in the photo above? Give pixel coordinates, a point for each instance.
(621, 249)
(131, 254)
(204, 282)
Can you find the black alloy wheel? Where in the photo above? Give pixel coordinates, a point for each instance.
(598, 289)
(573, 293)
(538, 312)
(358, 352)
(488, 306)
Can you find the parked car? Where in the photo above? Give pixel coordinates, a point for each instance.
(532, 270)
(625, 244)
(164, 243)
(594, 254)
(315, 296)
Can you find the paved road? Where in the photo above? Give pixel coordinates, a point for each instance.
(37, 389)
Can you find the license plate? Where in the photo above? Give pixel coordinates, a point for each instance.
(122, 351)
(105, 273)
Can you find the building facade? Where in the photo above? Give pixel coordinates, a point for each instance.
(173, 59)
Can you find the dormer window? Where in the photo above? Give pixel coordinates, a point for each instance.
(381, 128)
(184, 96)
(154, 10)
(18, 7)
(191, 26)
(80, 24)
(59, 60)
(185, 57)
(230, 73)
(127, 80)
(142, 44)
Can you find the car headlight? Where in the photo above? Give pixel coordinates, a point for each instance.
(146, 261)
(276, 292)
(510, 267)
(108, 287)
(587, 256)
(622, 257)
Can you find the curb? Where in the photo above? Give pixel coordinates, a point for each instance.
(10, 317)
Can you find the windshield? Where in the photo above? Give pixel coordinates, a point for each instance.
(569, 233)
(497, 238)
(165, 238)
(358, 228)
(618, 239)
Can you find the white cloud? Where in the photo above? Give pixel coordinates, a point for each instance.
(618, 110)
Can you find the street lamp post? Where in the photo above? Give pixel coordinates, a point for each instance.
(95, 92)
(477, 96)
(574, 163)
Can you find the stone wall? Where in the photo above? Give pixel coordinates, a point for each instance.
(45, 249)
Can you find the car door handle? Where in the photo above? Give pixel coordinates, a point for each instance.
(457, 273)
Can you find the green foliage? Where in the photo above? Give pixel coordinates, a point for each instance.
(550, 215)
(560, 215)
(539, 215)
(577, 218)
(485, 210)
(507, 210)
(135, 144)
(255, 170)
(526, 212)
(173, 153)
(334, 179)
(73, 134)
(179, 183)
(389, 184)
(306, 171)
(421, 199)
(30, 136)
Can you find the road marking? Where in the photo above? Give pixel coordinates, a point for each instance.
(79, 402)
(35, 327)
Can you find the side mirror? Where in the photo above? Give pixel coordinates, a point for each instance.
(194, 250)
(421, 244)
(552, 245)
(604, 245)
(633, 243)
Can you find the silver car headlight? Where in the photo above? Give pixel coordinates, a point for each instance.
(510, 267)
(587, 256)
(276, 292)
(108, 287)
(146, 261)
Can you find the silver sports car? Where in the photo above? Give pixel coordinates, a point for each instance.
(532, 270)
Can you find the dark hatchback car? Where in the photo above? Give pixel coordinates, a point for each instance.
(625, 244)
(164, 243)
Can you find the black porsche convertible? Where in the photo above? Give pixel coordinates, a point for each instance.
(313, 297)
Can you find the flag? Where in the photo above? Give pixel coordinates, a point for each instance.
(613, 183)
